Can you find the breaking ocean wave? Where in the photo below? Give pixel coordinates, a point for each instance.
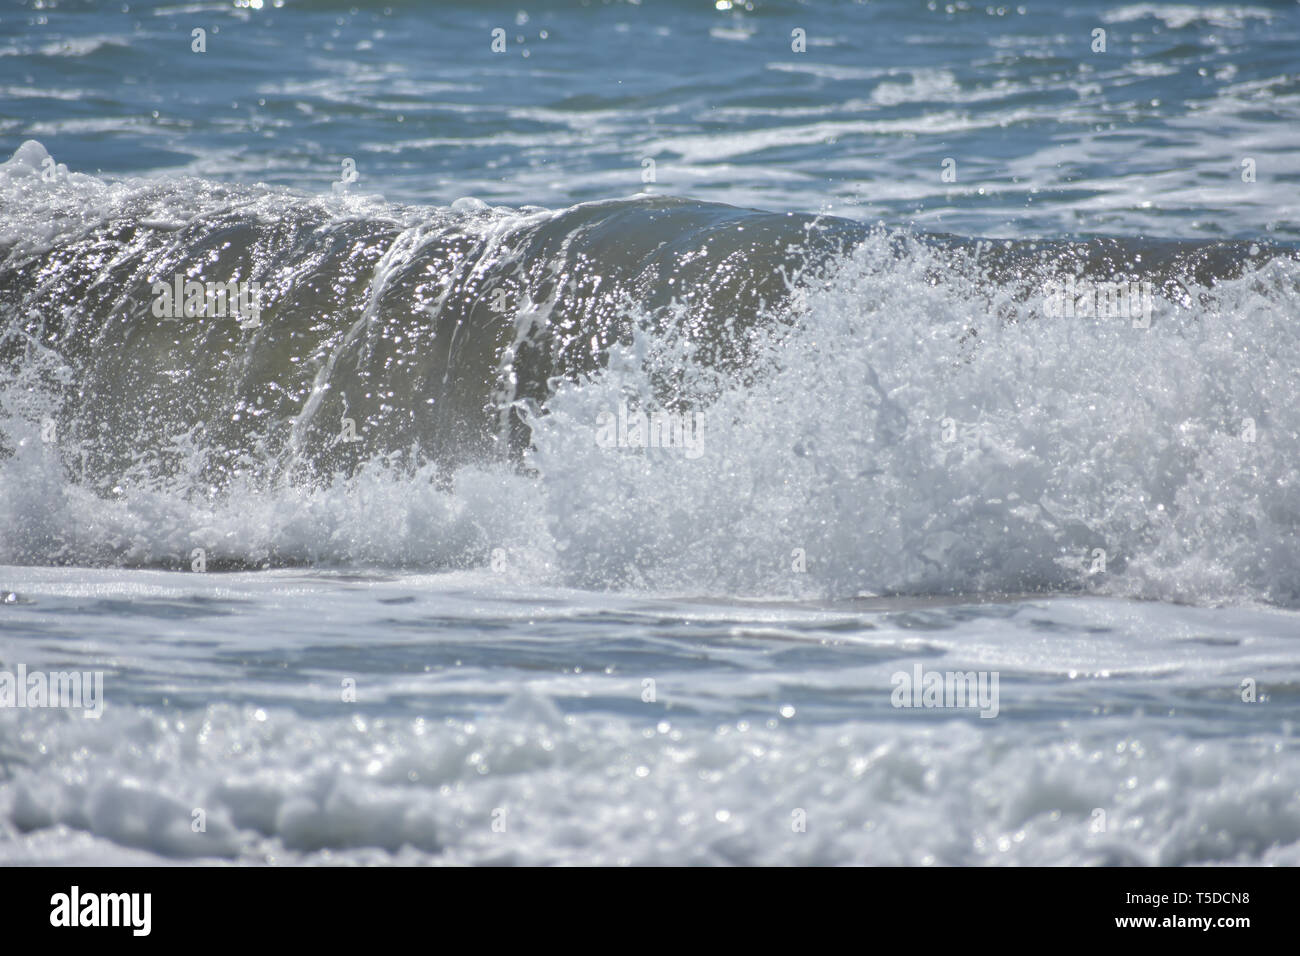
(584, 390)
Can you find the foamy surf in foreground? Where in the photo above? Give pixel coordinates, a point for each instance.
(498, 723)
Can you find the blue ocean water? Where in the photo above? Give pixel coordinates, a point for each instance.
(1048, 137)
(487, 631)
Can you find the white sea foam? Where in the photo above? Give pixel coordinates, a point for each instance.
(585, 789)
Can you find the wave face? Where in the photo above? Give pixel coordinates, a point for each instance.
(420, 326)
(830, 410)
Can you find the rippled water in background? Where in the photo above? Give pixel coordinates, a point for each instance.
(905, 462)
(1049, 137)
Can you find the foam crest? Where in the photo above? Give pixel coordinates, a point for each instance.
(913, 435)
